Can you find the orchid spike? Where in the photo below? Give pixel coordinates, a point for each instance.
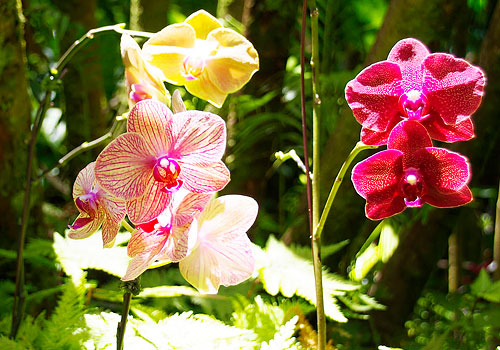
(209, 60)
(161, 153)
(143, 80)
(96, 207)
(165, 237)
(437, 90)
(410, 173)
(220, 252)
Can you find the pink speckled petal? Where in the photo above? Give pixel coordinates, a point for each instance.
(442, 170)
(84, 181)
(378, 138)
(409, 136)
(150, 119)
(376, 210)
(125, 167)
(146, 208)
(449, 199)
(440, 131)
(409, 54)
(222, 254)
(199, 137)
(453, 87)
(378, 175)
(373, 95)
(203, 178)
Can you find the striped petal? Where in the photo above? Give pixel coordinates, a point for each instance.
(84, 181)
(202, 178)
(187, 205)
(150, 205)
(125, 167)
(150, 119)
(85, 226)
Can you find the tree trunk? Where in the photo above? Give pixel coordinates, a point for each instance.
(15, 116)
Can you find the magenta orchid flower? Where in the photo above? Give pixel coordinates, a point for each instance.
(410, 173)
(96, 207)
(166, 236)
(437, 90)
(161, 153)
(220, 252)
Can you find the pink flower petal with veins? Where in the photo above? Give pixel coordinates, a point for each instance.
(201, 178)
(142, 247)
(154, 201)
(220, 252)
(151, 120)
(124, 168)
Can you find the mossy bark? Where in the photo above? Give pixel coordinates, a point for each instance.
(15, 112)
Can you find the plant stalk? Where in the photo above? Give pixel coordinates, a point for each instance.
(131, 288)
(360, 146)
(496, 240)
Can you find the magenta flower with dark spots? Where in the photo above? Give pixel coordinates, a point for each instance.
(161, 153)
(437, 90)
(166, 236)
(410, 173)
(96, 207)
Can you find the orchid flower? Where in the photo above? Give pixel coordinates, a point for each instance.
(220, 252)
(96, 207)
(167, 235)
(209, 60)
(437, 90)
(143, 80)
(161, 153)
(410, 173)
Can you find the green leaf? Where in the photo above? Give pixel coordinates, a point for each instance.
(492, 294)
(388, 242)
(481, 284)
(76, 256)
(281, 270)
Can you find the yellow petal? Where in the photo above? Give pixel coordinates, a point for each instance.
(180, 34)
(234, 63)
(202, 23)
(206, 90)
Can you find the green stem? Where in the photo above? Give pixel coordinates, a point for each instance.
(496, 240)
(315, 240)
(127, 226)
(131, 288)
(335, 187)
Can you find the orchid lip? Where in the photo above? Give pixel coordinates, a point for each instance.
(87, 203)
(166, 171)
(414, 105)
(412, 188)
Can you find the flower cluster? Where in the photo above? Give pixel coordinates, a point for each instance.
(412, 97)
(164, 171)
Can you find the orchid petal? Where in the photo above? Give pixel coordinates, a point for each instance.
(125, 166)
(178, 105)
(442, 170)
(146, 208)
(202, 23)
(449, 199)
(378, 175)
(113, 207)
(235, 61)
(202, 178)
(409, 54)
(378, 138)
(176, 246)
(376, 210)
(110, 229)
(84, 181)
(409, 136)
(187, 205)
(374, 94)
(143, 247)
(205, 89)
(88, 227)
(453, 86)
(150, 119)
(198, 137)
(440, 131)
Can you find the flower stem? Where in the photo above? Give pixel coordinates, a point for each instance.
(496, 240)
(20, 294)
(131, 288)
(360, 146)
(127, 226)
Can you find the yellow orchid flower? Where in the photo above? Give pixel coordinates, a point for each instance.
(143, 80)
(209, 60)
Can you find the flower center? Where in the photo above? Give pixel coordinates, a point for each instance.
(414, 105)
(139, 92)
(167, 171)
(193, 67)
(412, 188)
(87, 203)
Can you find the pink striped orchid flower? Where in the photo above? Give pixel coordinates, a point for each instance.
(161, 153)
(220, 252)
(96, 207)
(166, 236)
(437, 90)
(410, 173)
